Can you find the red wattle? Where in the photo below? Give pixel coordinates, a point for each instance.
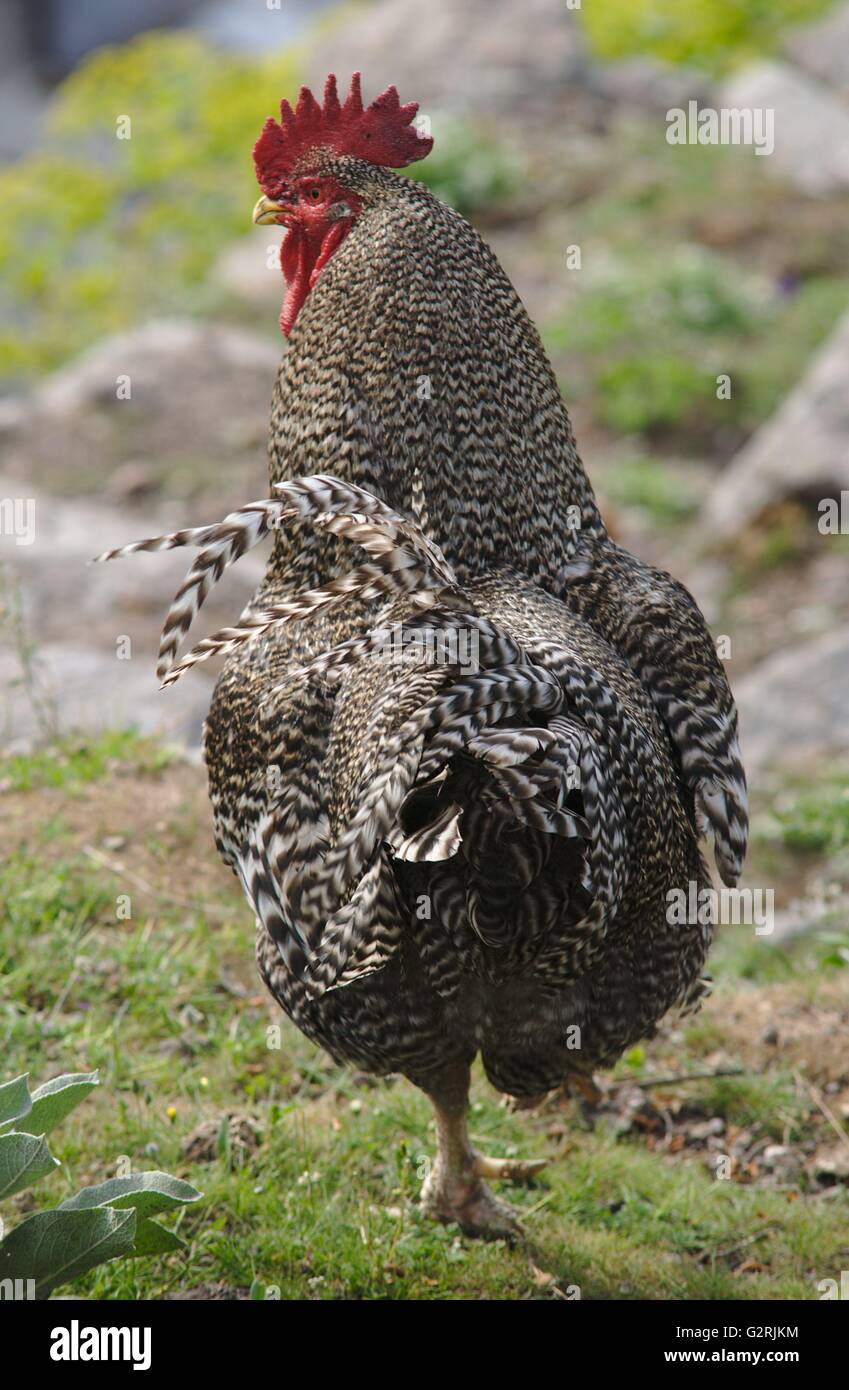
(296, 264)
(302, 259)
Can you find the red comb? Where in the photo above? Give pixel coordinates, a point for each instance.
(382, 133)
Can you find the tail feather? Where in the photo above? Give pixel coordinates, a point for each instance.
(509, 771)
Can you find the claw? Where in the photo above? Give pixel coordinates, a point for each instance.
(476, 1210)
(509, 1169)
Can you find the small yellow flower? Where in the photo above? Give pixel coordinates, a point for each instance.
(204, 1081)
(171, 1112)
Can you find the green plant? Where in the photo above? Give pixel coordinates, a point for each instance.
(470, 169)
(707, 33)
(693, 307)
(75, 759)
(815, 821)
(144, 176)
(100, 1223)
(653, 487)
(89, 214)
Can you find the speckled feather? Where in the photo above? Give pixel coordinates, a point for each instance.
(441, 861)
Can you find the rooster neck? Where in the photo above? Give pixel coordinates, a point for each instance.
(413, 355)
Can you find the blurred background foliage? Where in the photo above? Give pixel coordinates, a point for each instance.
(99, 232)
(701, 32)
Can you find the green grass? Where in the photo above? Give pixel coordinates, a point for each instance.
(811, 818)
(72, 760)
(167, 1006)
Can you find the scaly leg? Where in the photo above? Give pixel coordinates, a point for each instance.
(454, 1190)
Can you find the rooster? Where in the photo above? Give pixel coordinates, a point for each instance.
(459, 782)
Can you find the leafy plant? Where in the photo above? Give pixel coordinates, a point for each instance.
(815, 821)
(88, 214)
(470, 169)
(707, 33)
(653, 487)
(99, 1223)
(691, 305)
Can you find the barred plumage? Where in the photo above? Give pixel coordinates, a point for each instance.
(459, 781)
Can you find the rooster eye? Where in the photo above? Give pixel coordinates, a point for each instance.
(314, 194)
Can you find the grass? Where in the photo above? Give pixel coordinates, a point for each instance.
(811, 819)
(70, 761)
(166, 1003)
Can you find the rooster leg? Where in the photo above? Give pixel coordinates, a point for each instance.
(454, 1190)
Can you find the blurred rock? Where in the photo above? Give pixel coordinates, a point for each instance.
(644, 84)
(804, 448)
(78, 617)
(811, 125)
(795, 705)
(822, 48)
(483, 55)
(92, 691)
(243, 270)
(831, 1165)
(186, 400)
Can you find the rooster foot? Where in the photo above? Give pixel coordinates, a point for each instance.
(454, 1189)
(463, 1197)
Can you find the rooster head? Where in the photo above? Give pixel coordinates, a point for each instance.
(294, 162)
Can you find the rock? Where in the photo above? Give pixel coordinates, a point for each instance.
(77, 618)
(782, 1162)
(243, 270)
(240, 1132)
(705, 1129)
(794, 706)
(151, 356)
(803, 448)
(822, 49)
(187, 401)
(811, 125)
(831, 1165)
(483, 55)
(645, 84)
(91, 691)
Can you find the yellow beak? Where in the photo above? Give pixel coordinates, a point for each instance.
(267, 211)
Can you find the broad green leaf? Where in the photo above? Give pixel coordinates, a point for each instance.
(153, 1239)
(15, 1099)
(149, 1193)
(24, 1158)
(54, 1247)
(57, 1098)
